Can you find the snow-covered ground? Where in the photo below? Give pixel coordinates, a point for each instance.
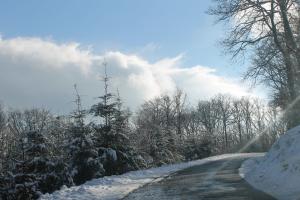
(116, 187)
(278, 172)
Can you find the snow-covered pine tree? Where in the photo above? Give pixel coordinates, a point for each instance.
(129, 158)
(111, 133)
(85, 163)
(120, 125)
(37, 173)
(104, 110)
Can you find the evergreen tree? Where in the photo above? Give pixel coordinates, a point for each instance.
(85, 163)
(37, 174)
(105, 110)
(112, 132)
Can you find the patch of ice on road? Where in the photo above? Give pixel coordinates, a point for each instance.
(117, 187)
(278, 172)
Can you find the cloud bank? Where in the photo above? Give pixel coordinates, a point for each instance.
(37, 72)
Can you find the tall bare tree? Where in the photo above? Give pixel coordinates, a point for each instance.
(257, 24)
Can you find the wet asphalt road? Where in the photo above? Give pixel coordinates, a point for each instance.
(214, 180)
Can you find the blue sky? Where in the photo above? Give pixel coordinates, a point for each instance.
(167, 28)
(152, 48)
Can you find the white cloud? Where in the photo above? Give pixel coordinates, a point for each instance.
(41, 51)
(37, 72)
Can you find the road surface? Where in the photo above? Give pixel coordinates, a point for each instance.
(214, 180)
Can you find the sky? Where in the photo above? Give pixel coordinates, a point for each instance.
(152, 47)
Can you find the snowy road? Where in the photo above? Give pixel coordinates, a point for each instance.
(214, 180)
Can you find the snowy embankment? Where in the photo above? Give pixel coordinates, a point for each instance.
(278, 172)
(116, 187)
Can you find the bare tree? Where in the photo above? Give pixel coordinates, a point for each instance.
(237, 117)
(225, 114)
(259, 24)
(208, 117)
(179, 103)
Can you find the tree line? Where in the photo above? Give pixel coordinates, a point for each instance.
(40, 151)
(166, 127)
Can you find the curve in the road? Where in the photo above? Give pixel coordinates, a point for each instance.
(214, 180)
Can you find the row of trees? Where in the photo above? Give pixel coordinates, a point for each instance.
(40, 152)
(168, 129)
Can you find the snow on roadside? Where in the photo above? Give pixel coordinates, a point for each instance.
(116, 187)
(278, 172)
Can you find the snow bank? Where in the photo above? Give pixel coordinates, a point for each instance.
(116, 187)
(278, 172)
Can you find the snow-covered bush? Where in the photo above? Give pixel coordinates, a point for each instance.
(197, 149)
